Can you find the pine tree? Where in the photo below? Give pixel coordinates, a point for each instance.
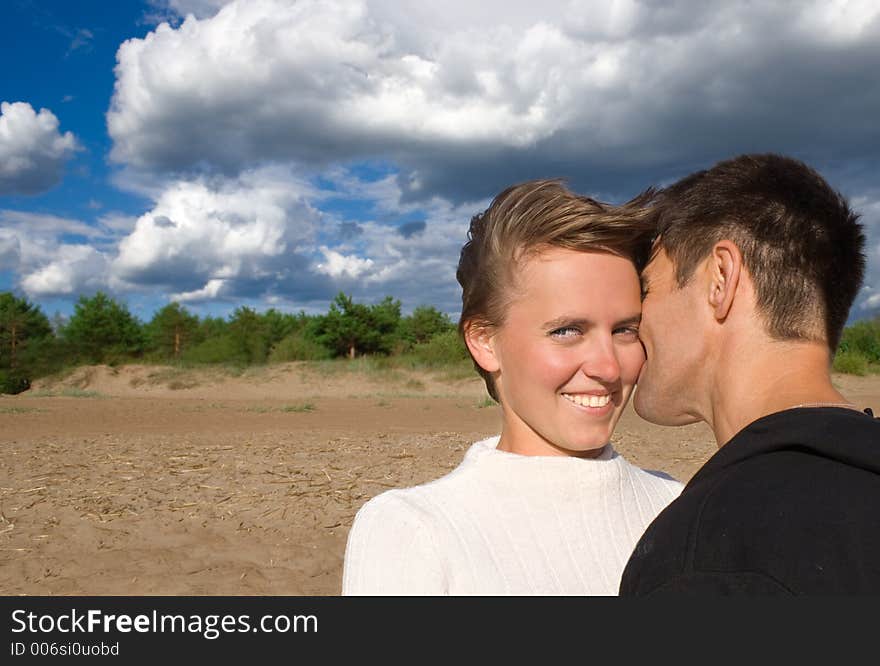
(22, 324)
(172, 329)
(102, 329)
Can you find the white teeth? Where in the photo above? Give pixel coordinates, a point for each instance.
(588, 400)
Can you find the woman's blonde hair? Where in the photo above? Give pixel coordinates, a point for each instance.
(529, 217)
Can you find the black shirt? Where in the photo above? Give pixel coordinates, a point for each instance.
(790, 505)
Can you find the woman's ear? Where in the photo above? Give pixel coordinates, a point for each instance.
(480, 343)
(725, 269)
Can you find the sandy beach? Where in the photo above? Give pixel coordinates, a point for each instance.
(144, 480)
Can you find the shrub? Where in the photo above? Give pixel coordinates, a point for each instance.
(101, 329)
(13, 382)
(862, 337)
(443, 349)
(851, 363)
(222, 349)
(298, 347)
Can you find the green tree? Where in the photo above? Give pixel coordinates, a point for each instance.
(279, 325)
(171, 330)
(863, 338)
(250, 335)
(23, 327)
(101, 329)
(424, 323)
(350, 328)
(213, 327)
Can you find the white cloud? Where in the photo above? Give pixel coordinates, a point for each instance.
(868, 300)
(249, 229)
(33, 246)
(200, 8)
(232, 121)
(72, 270)
(261, 236)
(283, 79)
(32, 150)
(212, 289)
(44, 224)
(872, 302)
(10, 251)
(467, 97)
(339, 265)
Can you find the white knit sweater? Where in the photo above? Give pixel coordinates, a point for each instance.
(506, 524)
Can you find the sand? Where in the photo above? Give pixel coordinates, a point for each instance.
(154, 481)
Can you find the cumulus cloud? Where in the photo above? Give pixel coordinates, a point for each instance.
(339, 265)
(414, 261)
(10, 251)
(262, 235)
(32, 150)
(868, 300)
(247, 124)
(213, 289)
(469, 97)
(54, 256)
(200, 8)
(73, 269)
(203, 233)
(45, 225)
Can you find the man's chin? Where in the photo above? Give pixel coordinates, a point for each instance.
(654, 413)
(643, 409)
(648, 409)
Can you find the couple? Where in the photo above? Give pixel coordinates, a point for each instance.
(748, 271)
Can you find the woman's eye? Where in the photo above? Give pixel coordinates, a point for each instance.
(565, 332)
(628, 331)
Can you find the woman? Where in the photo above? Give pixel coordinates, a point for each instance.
(550, 312)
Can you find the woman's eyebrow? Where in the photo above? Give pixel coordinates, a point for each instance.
(559, 322)
(629, 321)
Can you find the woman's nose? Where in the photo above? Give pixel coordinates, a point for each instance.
(600, 362)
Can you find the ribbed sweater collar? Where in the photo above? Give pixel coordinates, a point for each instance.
(486, 456)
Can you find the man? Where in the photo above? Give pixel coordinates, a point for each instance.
(755, 266)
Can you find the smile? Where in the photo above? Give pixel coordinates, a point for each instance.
(585, 400)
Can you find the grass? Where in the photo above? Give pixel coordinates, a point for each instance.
(299, 408)
(851, 363)
(18, 410)
(69, 392)
(486, 402)
(395, 373)
(302, 407)
(389, 368)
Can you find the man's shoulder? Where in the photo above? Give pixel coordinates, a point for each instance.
(781, 511)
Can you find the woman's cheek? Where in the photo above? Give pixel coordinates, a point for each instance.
(631, 359)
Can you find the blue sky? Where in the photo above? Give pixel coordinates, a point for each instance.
(272, 153)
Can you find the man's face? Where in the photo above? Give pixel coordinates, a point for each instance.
(673, 334)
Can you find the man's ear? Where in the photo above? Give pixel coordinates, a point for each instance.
(725, 269)
(478, 339)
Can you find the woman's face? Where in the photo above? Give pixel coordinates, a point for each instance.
(568, 352)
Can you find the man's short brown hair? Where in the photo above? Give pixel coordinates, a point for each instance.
(526, 218)
(801, 244)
